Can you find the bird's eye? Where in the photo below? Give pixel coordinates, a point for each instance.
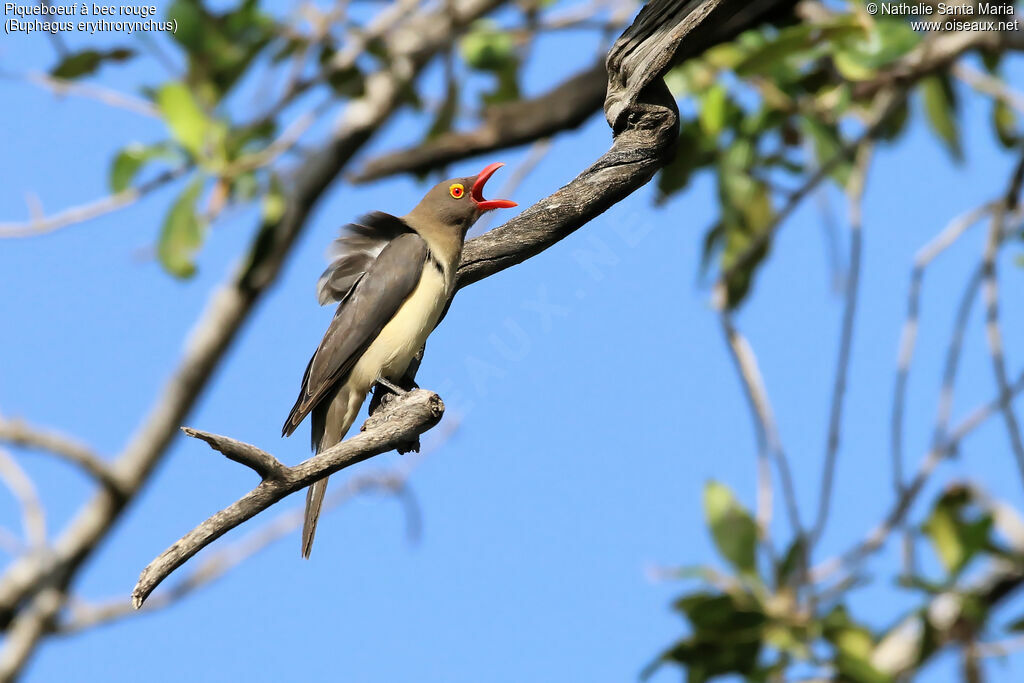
(457, 190)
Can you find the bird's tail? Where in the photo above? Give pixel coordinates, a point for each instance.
(314, 501)
(330, 422)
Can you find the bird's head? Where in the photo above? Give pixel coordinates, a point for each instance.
(459, 202)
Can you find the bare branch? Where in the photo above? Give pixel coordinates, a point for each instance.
(261, 462)
(44, 224)
(989, 85)
(401, 420)
(564, 107)
(855, 192)
(84, 615)
(570, 103)
(877, 537)
(113, 98)
(19, 433)
(769, 443)
(992, 327)
(32, 513)
(393, 481)
(32, 623)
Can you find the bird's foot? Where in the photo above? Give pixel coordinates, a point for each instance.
(391, 386)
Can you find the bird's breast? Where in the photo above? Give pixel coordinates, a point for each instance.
(402, 337)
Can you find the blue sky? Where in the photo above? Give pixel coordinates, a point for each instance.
(584, 437)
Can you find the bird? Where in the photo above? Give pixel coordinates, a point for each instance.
(392, 278)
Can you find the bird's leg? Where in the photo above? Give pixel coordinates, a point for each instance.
(380, 399)
(391, 386)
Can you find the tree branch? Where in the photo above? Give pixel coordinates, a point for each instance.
(564, 107)
(569, 104)
(261, 462)
(20, 433)
(40, 225)
(400, 420)
(855, 193)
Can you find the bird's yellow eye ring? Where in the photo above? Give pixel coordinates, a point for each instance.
(457, 190)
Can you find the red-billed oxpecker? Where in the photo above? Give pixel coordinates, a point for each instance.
(392, 278)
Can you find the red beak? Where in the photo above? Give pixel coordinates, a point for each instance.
(477, 193)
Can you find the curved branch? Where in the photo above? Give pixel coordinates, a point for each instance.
(401, 420)
(564, 107)
(19, 433)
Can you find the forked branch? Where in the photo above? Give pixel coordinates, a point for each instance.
(398, 421)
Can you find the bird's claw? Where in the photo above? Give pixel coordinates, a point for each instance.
(391, 386)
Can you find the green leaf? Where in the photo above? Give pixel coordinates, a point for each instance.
(1005, 123)
(859, 670)
(274, 202)
(712, 110)
(487, 48)
(782, 56)
(747, 213)
(220, 47)
(896, 122)
(827, 146)
(854, 644)
(445, 116)
(792, 562)
(958, 529)
(130, 160)
(182, 233)
(732, 527)
(345, 82)
(507, 88)
(690, 77)
(188, 124)
(727, 637)
(694, 151)
(78, 64)
(859, 55)
(940, 108)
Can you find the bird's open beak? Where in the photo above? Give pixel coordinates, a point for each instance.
(477, 193)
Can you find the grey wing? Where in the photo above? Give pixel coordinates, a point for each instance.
(354, 252)
(370, 303)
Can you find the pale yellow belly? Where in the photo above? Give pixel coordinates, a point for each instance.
(391, 352)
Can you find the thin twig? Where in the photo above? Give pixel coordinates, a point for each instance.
(855, 192)
(886, 105)
(33, 515)
(94, 209)
(989, 85)
(113, 98)
(19, 433)
(33, 623)
(993, 329)
(908, 337)
(876, 538)
(84, 615)
(769, 443)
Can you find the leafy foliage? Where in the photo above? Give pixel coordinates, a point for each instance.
(778, 103)
(182, 233)
(86, 62)
(743, 624)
